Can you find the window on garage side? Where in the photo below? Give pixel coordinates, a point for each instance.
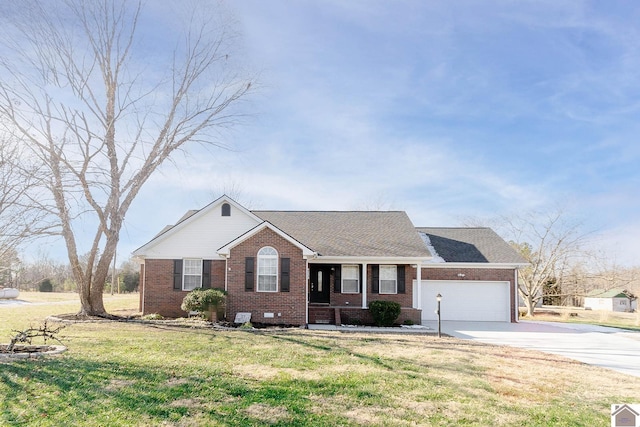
(350, 279)
(388, 279)
(191, 274)
(267, 269)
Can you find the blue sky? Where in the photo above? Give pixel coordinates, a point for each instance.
(443, 109)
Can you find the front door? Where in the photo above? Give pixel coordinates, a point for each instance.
(319, 283)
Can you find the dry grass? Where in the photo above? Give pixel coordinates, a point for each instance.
(595, 317)
(134, 374)
(38, 297)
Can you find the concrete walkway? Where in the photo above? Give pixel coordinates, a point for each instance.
(12, 302)
(610, 348)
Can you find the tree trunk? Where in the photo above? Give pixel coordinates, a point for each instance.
(92, 287)
(91, 300)
(531, 304)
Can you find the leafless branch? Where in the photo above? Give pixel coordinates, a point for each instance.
(73, 90)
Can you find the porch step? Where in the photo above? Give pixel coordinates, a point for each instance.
(321, 315)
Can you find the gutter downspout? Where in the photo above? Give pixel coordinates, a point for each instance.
(226, 273)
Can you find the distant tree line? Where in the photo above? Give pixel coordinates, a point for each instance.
(47, 275)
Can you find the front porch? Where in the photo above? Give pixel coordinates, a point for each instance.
(339, 294)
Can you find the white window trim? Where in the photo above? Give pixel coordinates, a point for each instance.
(389, 267)
(342, 278)
(259, 257)
(184, 273)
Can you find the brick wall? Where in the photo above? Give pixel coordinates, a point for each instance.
(288, 308)
(483, 274)
(158, 293)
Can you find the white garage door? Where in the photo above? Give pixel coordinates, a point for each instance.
(466, 300)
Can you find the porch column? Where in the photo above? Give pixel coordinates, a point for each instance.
(306, 293)
(418, 287)
(363, 285)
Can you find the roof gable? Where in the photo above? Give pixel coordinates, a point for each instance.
(200, 232)
(470, 245)
(225, 250)
(351, 233)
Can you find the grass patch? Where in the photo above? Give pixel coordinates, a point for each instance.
(630, 321)
(129, 374)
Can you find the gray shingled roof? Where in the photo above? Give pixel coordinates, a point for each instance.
(471, 245)
(367, 234)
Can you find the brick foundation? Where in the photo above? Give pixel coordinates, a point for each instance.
(351, 315)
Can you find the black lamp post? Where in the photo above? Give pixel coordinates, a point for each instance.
(439, 298)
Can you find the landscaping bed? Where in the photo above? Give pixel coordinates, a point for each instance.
(29, 351)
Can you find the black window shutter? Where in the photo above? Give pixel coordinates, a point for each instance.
(360, 279)
(206, 274)
(249, 273)
(284, 274)
(401, 285)
(375, 279)
(177, 274)
(337, 280)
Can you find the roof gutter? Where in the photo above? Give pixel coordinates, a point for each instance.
(473, 265)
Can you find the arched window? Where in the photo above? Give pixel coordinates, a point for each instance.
(267, 270)
(226, 209)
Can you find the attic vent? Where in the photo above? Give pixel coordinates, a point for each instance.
(226, 209)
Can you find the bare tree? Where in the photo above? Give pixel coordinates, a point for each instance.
(607, 274)
(18, 222)
(236, 192)
(43, 267)
(375, 201)
(102, 103)
(550, 242)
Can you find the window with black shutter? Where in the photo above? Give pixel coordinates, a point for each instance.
(401, 279)
(285, 265)
(350, 279)
(177, 274)
(375, 279)
(337, 280)
(206, 274)
(249, 273)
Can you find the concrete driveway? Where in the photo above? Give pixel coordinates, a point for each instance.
(609, 348)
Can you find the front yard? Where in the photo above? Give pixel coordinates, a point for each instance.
(622, 320)
(134, 374)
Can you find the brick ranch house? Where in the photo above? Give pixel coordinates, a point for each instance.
(296, 268)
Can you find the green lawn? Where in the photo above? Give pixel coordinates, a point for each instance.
(124, 374)
(629, 321)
